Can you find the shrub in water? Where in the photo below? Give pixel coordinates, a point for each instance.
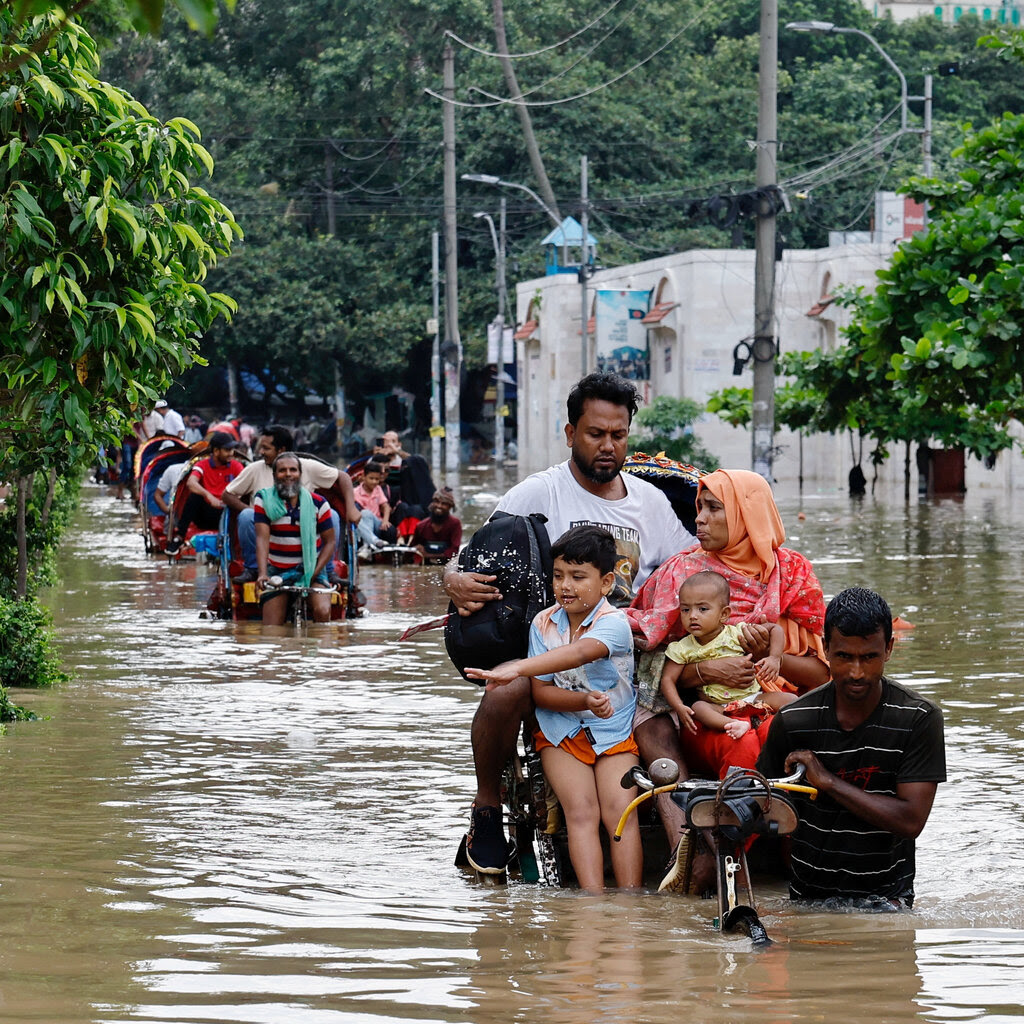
(26, 655)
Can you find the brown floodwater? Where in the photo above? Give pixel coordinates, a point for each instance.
(220, 824)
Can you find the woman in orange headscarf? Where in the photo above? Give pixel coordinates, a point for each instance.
(740, 536)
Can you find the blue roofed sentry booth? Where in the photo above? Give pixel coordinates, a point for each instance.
(568, 235)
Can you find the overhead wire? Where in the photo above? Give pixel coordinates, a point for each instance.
(535, 53)
(578, 96)
(565, 71)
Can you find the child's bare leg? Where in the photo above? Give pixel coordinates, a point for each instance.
(627, 854)
(709, 716)
(777, 699)
(575, 786)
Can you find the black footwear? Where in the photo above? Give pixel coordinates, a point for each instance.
(676, 879)
(246, 576)
(173, 546)
(487, 849)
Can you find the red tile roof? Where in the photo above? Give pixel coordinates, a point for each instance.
(658, 313)
(526, 330)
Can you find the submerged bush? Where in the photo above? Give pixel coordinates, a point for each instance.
(27, 657)
(666, 426)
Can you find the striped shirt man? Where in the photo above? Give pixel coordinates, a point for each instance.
(835, 853)
(285, 539)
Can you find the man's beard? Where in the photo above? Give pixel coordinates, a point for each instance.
(602, 475)
(288, 489)
(439, 517)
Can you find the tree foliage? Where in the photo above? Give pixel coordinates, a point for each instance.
(108, 15)
(105, 241)
(328, 148)
(666, 425)
(935, 351)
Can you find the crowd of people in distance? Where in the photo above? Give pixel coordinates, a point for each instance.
(723, 655)
(289, 509)
(399, 506)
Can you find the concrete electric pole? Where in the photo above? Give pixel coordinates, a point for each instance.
(451, 351)
(763, 411)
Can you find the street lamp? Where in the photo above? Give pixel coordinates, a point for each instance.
(494, 179)
(499, 327)
(826, 28)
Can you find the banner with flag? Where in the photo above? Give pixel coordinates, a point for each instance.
(621, 337)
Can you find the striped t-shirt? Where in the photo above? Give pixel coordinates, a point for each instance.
(834, 852)
(285, 538)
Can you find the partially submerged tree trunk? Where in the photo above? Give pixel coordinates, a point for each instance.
(526, 122)
(24, 488)
(51, 487)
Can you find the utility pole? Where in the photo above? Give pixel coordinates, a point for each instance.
(499, 386)
(525, 121)
(763, 411)
(452, 349)
(332, 223)
(435, 353)
(584, 309)
(926, 133)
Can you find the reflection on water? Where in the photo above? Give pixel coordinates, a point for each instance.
(219, 824)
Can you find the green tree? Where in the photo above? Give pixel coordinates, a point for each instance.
(666, 425)
(105, 241)
(145, 15)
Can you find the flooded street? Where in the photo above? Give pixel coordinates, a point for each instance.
(219, 824)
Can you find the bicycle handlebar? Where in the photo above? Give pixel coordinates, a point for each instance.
(278, 585)
(637, 777)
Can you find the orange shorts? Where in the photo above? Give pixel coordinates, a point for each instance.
(580, 747)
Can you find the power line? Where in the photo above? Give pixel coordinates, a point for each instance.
(576, 63)
(535, 53)
(578, 96)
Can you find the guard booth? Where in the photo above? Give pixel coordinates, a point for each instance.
(562, 242)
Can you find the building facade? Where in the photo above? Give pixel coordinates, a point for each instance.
(1001, 12)
(696, 308)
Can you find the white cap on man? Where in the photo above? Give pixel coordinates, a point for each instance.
(161, 403)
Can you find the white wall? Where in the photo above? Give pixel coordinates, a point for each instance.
(692, 352)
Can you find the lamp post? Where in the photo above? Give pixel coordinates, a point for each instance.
(826, 28)
(494, 179)
(499, 327)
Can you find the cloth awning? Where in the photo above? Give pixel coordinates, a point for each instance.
(658, 313)
(821, 305)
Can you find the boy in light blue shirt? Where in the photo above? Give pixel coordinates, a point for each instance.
(581, 667)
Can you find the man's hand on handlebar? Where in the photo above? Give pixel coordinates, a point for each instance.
(470, 591)
(815, 773)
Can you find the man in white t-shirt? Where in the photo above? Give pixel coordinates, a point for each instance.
(329, 481)
(589, 489)
(173, 423)
(153, 424)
